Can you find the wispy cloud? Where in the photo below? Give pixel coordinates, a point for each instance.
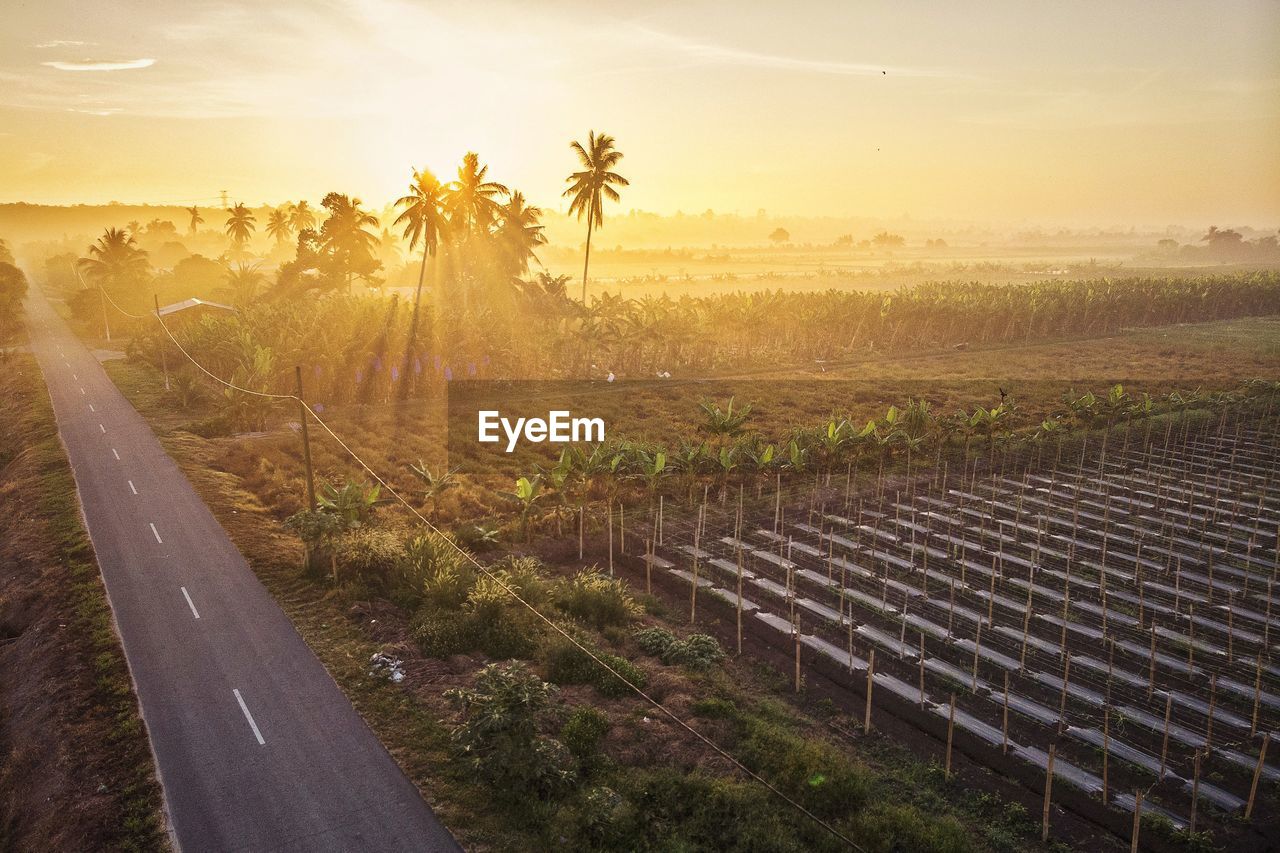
(97, 65)
(60, 43)
(104, 111)
(709, 53)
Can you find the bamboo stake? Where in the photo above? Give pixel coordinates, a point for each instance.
(1137, 819)
(648, 569)
(921, 670)
(1195, 790)
(739, 601)
(951, 725)
(1048, 793)
(796, 633)
(1164, 746)
(610, 517)
(1213, 702)
(1106, 750)
(1257, 694)
(871, 671)
(1257, 774)
(1004, 723)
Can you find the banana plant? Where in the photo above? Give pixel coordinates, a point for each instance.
(724, 423)
(433, 485)
(527, 492)
(353, 502)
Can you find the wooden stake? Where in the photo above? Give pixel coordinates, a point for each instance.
(1195, 789)
(871, 671)
(951, 726)
(1004, 723)
(1106, 750)
(1164, 746)
(796, 632)
(1137, 819)
(1048, 793)
(1213, 702)
(921, 670)
(739, 601)
(1257, 774)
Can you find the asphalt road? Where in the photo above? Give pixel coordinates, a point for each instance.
(256, 746)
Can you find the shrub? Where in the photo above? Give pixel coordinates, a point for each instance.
(440, 633)
(597, 600)
(370, 555)
(569, 664)
(697, 651)
(582, 732)
(439, 573)
(655, 641)
(811, 771)
(499, 733)
(611, 685)
(523, 575)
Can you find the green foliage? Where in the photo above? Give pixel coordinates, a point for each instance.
(697, 651)
(583, 732)
(597, 600)
(568, 663)
(499, 736)
(370, 555)
(655, 641)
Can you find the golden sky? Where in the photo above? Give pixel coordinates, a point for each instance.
(1113, 112)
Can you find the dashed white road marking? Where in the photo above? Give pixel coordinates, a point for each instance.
(91, 408)
(82, 390)
(190, 603)
(245, 708)
(104, 429)
(75, 377)
(132, 488)
(115, 453)
(156, 533)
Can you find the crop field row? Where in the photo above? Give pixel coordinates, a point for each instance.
(1113, 610)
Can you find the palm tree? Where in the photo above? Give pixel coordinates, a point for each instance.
(471, 199)
(592, 185)
(301, 216)
(243, 282)
(519, 234)
(240, 224)
(115, 259)
(196, 218)
(424, 221)
(346, 235)
(278, 226)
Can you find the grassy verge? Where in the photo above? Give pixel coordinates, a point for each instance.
(77, 768)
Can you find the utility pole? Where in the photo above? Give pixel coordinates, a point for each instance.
(224, 199)
(306, 440)
(164, 360)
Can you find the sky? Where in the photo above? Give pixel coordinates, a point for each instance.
(1079, 113)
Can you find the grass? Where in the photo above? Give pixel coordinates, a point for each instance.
(88, 782)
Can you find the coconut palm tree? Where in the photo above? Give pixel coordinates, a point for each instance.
(196, 218)
(424, 220)
(347, 236)
(115, 260)
(519, 234)
(243, 282)
(589, 187)
(278, 227)
(301, 216)
(241, 223)
(471, 201)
